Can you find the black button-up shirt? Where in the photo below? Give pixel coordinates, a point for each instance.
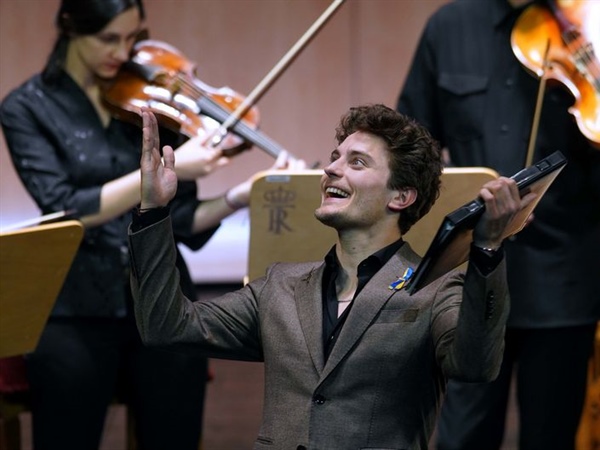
(467, 86)
(332, 324)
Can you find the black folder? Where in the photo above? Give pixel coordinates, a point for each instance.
(451, 244)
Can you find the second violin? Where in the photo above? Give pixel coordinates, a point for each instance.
(558, 43)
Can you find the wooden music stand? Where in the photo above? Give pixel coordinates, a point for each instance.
(459, 186)
(33, 265)
(283, 226)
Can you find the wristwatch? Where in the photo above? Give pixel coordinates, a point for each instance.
(488, 251)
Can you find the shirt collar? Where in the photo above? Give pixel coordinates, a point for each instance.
(379, 258)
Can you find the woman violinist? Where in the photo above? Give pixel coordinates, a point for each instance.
(73, 156)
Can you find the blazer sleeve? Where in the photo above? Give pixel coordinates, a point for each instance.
(226, 327)
(468, 324)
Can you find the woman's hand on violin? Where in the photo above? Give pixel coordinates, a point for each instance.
(159, 180)
(286, 162)
(195, 160)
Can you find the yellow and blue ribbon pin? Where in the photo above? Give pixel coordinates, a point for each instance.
(401, 282)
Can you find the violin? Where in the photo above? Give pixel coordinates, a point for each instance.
(557, 43)
(160, 78)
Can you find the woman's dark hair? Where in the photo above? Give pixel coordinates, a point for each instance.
(82, 17)
(414, 156)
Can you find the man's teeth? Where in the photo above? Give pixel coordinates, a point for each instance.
(337, 192)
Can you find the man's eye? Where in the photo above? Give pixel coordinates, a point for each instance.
(358, 162)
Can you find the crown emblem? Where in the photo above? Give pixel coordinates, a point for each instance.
(279, 196)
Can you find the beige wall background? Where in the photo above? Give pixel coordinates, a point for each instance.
(360, 56)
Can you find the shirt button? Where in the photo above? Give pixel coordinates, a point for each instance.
(490, 305)
(318, 399)
(504, 128)
(509, 82)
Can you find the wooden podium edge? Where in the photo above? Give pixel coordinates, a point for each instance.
(34, 262)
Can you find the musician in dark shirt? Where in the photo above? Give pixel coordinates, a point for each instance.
(466, 85)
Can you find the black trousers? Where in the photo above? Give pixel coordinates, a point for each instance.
(550, 368)
(81, 365)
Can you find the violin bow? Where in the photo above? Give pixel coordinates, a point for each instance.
(217, 136)
(538, 108)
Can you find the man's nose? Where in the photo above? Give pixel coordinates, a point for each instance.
(333, 169)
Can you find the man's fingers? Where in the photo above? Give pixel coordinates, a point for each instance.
(501, 196)
(146, 136)
(168, 157)
(150, 134)
(528, 199)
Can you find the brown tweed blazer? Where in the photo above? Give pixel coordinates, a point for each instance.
(382, 383)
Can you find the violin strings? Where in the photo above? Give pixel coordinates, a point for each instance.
(218, 113)
(582, 51)
(583, 54)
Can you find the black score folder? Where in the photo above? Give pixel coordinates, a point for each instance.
(451, 244)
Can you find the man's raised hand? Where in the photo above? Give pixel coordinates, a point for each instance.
(159, 181)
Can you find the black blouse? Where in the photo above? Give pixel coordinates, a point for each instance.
(63, 155)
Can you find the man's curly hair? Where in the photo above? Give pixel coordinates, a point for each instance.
(414, 156)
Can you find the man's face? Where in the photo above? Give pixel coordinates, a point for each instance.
(354, 192)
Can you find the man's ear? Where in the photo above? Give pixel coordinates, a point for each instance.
(403, 199)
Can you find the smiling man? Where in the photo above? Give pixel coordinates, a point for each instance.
(351, 360)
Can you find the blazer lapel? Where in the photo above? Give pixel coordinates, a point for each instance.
(310, 312)
(369, 302)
